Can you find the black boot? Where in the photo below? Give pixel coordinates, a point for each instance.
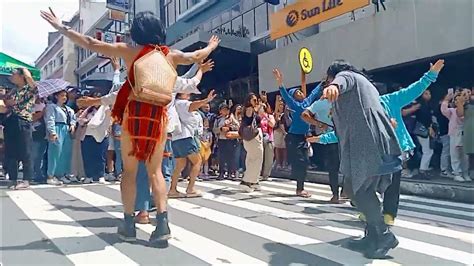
(159, 237)
(364, 243)
(384, 241)
(127, 231)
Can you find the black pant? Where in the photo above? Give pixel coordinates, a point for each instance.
(298, 158)
(367, 202)
(227, 150)
(18, 147)
(331, 164)
(391, 196)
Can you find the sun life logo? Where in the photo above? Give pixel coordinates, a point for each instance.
(292, 18)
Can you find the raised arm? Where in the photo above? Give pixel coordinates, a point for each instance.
(287, 98)
(182, 83)
(87, 42)
(315, 94)
(406, 95)
(187, 58)
(200, 103)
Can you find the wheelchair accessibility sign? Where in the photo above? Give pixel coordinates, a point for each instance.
(306, 60)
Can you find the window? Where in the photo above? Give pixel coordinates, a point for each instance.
(171, 7)
(261, 19)
(183, 6)
(61, 59)
(249, 23)
(225, 16)
(246, 5)
(235, 11)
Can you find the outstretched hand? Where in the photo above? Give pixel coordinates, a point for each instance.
(51, 18)
(211, 96)
(438, 66)
(214, 42)
(207, 66)
(115, 63)
(331, 93)
(278, 76)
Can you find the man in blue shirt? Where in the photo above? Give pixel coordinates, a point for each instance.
(296, 142)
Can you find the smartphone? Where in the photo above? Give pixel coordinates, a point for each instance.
(450, 91)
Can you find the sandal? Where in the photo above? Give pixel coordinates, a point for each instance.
(303, 194)
(176, 195)
(195, 194)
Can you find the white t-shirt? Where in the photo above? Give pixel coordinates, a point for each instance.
(188, 120)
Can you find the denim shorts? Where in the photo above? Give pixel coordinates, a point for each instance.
(182, 148)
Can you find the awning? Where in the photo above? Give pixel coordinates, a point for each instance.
(8, 64)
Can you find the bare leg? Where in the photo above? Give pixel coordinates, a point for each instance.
(196, 161)
(179, 167)
(156, 178)
(128, 186)
(110, 162)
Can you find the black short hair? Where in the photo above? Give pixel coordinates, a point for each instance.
(342, 65)
(147, 29)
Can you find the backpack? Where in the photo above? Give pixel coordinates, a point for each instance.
(154, 79)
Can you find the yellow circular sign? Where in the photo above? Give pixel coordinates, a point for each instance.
(306, 60)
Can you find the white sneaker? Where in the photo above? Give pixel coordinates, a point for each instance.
(246, 188)
(54, 181)
(102, 181)
(257, 187)
(87, 180)
(109, 177)
(459, 178)
(467, 179)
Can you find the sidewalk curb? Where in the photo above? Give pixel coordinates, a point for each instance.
(429, 189)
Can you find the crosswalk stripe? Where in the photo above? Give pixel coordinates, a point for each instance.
(403, 197)
(71, 239)
(426, 216)
(405, 204)
(418, 246)
(445, 232)
(203, 248)
(422, 247)
(334, 253)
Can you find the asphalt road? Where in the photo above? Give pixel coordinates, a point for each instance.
(76, 225)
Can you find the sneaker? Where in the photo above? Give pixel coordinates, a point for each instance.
(247, 187)
(159, 237)
(127, 230)
(87, 180)
(334, 200)
(65, 180)
(73, 179)
(459, 178)
(446, 174)
(22, 185)
(102, 181)
(256, 187)
(467, 179)
(54, 181)
(389, 219)
(110, 177)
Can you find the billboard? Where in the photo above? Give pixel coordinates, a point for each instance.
(303, 14)
(122, 5)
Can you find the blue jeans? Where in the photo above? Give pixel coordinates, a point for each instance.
(93, 155)
(143, 199)
(39, 151)
(445, 154)
(60, 152)
(118, 157)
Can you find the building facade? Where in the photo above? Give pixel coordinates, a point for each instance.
(394, 43)
(59, 59)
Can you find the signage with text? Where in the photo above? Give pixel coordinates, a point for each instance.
(306, 13)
